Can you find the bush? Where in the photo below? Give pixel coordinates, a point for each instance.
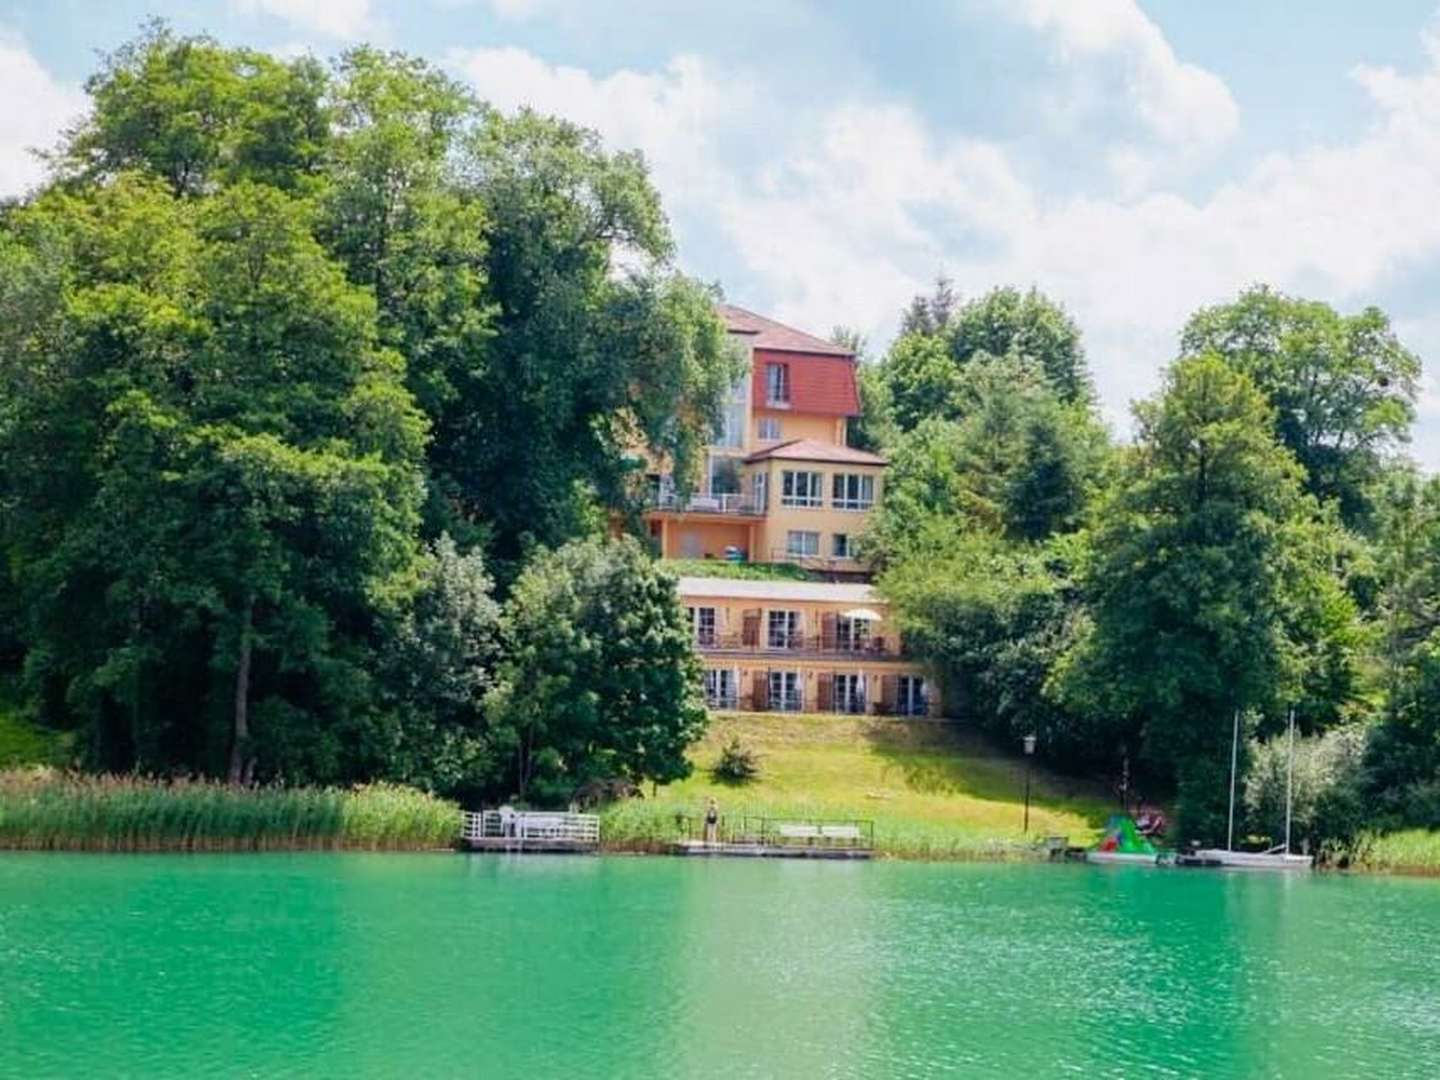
(737, 763)
(1328, 800)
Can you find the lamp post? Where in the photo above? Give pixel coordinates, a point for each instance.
(1029, 754)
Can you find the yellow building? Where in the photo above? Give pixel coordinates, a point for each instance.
(802, 646)
(781, 484)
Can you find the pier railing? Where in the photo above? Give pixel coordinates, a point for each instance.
(522, 825)
(784, 832)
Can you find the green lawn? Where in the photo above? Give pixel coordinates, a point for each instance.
(932, 791)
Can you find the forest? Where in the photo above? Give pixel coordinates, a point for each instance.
(324, 385)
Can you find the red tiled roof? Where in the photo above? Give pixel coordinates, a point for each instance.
(818, 384)
(810, 450)
(769, 334)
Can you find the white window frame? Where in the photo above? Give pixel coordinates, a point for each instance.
(852, 698)
(722, 688)
(853, 635)
(760, 490)
(808, 546)
(787, 698)
(767, 429)
(777, 383)
(911, 698)
(705, 636)
(813, 495)
(852, 491)
(782, 629)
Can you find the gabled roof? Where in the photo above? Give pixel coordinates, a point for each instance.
(811, 450)
(769, 334)
(738, 589)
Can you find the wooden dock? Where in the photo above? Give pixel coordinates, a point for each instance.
(773, 838)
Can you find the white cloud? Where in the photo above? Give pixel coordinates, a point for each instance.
(1179, 102)
(39, 107)
(839, 212)
(344, 20)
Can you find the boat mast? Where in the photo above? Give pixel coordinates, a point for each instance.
(1290, 780)
(1234, 759)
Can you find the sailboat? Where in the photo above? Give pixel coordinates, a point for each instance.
(1279, 857)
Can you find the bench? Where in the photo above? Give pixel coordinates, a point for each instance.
(832, 834)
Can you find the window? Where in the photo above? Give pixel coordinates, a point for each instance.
(910, 696)
(800, 544)
(800, 489)
(777, 384)
(850, 693)
(853, 491)
(724, 475)
(769, 428)
(732, 426)
(842, 547)
(782, 629)
(852, 635)
(759, 489)
(702, 620)
(721, 688)
(785, 691)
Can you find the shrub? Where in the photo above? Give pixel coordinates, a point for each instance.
(737, 763)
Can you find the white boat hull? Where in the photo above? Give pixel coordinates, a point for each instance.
(1257, 860)
(1133, 857)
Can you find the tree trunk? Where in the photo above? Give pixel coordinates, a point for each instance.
(240, 737)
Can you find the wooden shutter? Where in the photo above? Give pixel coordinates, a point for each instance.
(829, 630)
(889, 691)
(824, 691)
(760, 690)
(750, 629)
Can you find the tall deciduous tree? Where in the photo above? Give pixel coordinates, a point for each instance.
(1342, 387)
(1208, 583)
(599, 680)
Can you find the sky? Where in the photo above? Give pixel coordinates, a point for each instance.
(825, 160)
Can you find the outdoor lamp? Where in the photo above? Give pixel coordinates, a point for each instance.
(1029, 744)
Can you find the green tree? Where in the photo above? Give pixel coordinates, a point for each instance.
(1006, 321)
(199, 115)
(599, 680)
(1342, 387)
(1208, 585)
(213, 472)
(1019, 463)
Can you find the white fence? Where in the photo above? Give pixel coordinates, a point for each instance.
(523, 825)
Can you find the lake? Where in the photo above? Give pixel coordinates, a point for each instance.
(447, 965)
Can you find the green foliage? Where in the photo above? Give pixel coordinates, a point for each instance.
(1208, 587)
(41, 809)
(1342, 387)
(1327, 788)
(924, 370)
(598, 678)
(1019, 463)
(737, 763)
(721, 568)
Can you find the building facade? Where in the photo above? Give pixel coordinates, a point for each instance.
(781, 484)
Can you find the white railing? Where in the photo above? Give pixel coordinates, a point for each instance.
(522, 825)
(729, 503)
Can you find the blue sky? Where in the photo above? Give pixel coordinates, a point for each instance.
(825, 160)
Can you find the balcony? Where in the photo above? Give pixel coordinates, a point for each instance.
(739, 505)
(799, 646)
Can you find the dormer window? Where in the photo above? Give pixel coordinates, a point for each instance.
(777, 384)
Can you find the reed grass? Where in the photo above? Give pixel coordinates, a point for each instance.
(50, 810)
(1409, 851)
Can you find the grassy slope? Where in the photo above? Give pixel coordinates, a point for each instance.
(931, 791)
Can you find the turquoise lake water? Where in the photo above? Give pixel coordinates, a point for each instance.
(452, 965)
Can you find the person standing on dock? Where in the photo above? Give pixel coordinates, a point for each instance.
(712, 821)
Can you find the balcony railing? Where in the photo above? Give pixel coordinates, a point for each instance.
(738, 503)
(873, 648)
(795, 703)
